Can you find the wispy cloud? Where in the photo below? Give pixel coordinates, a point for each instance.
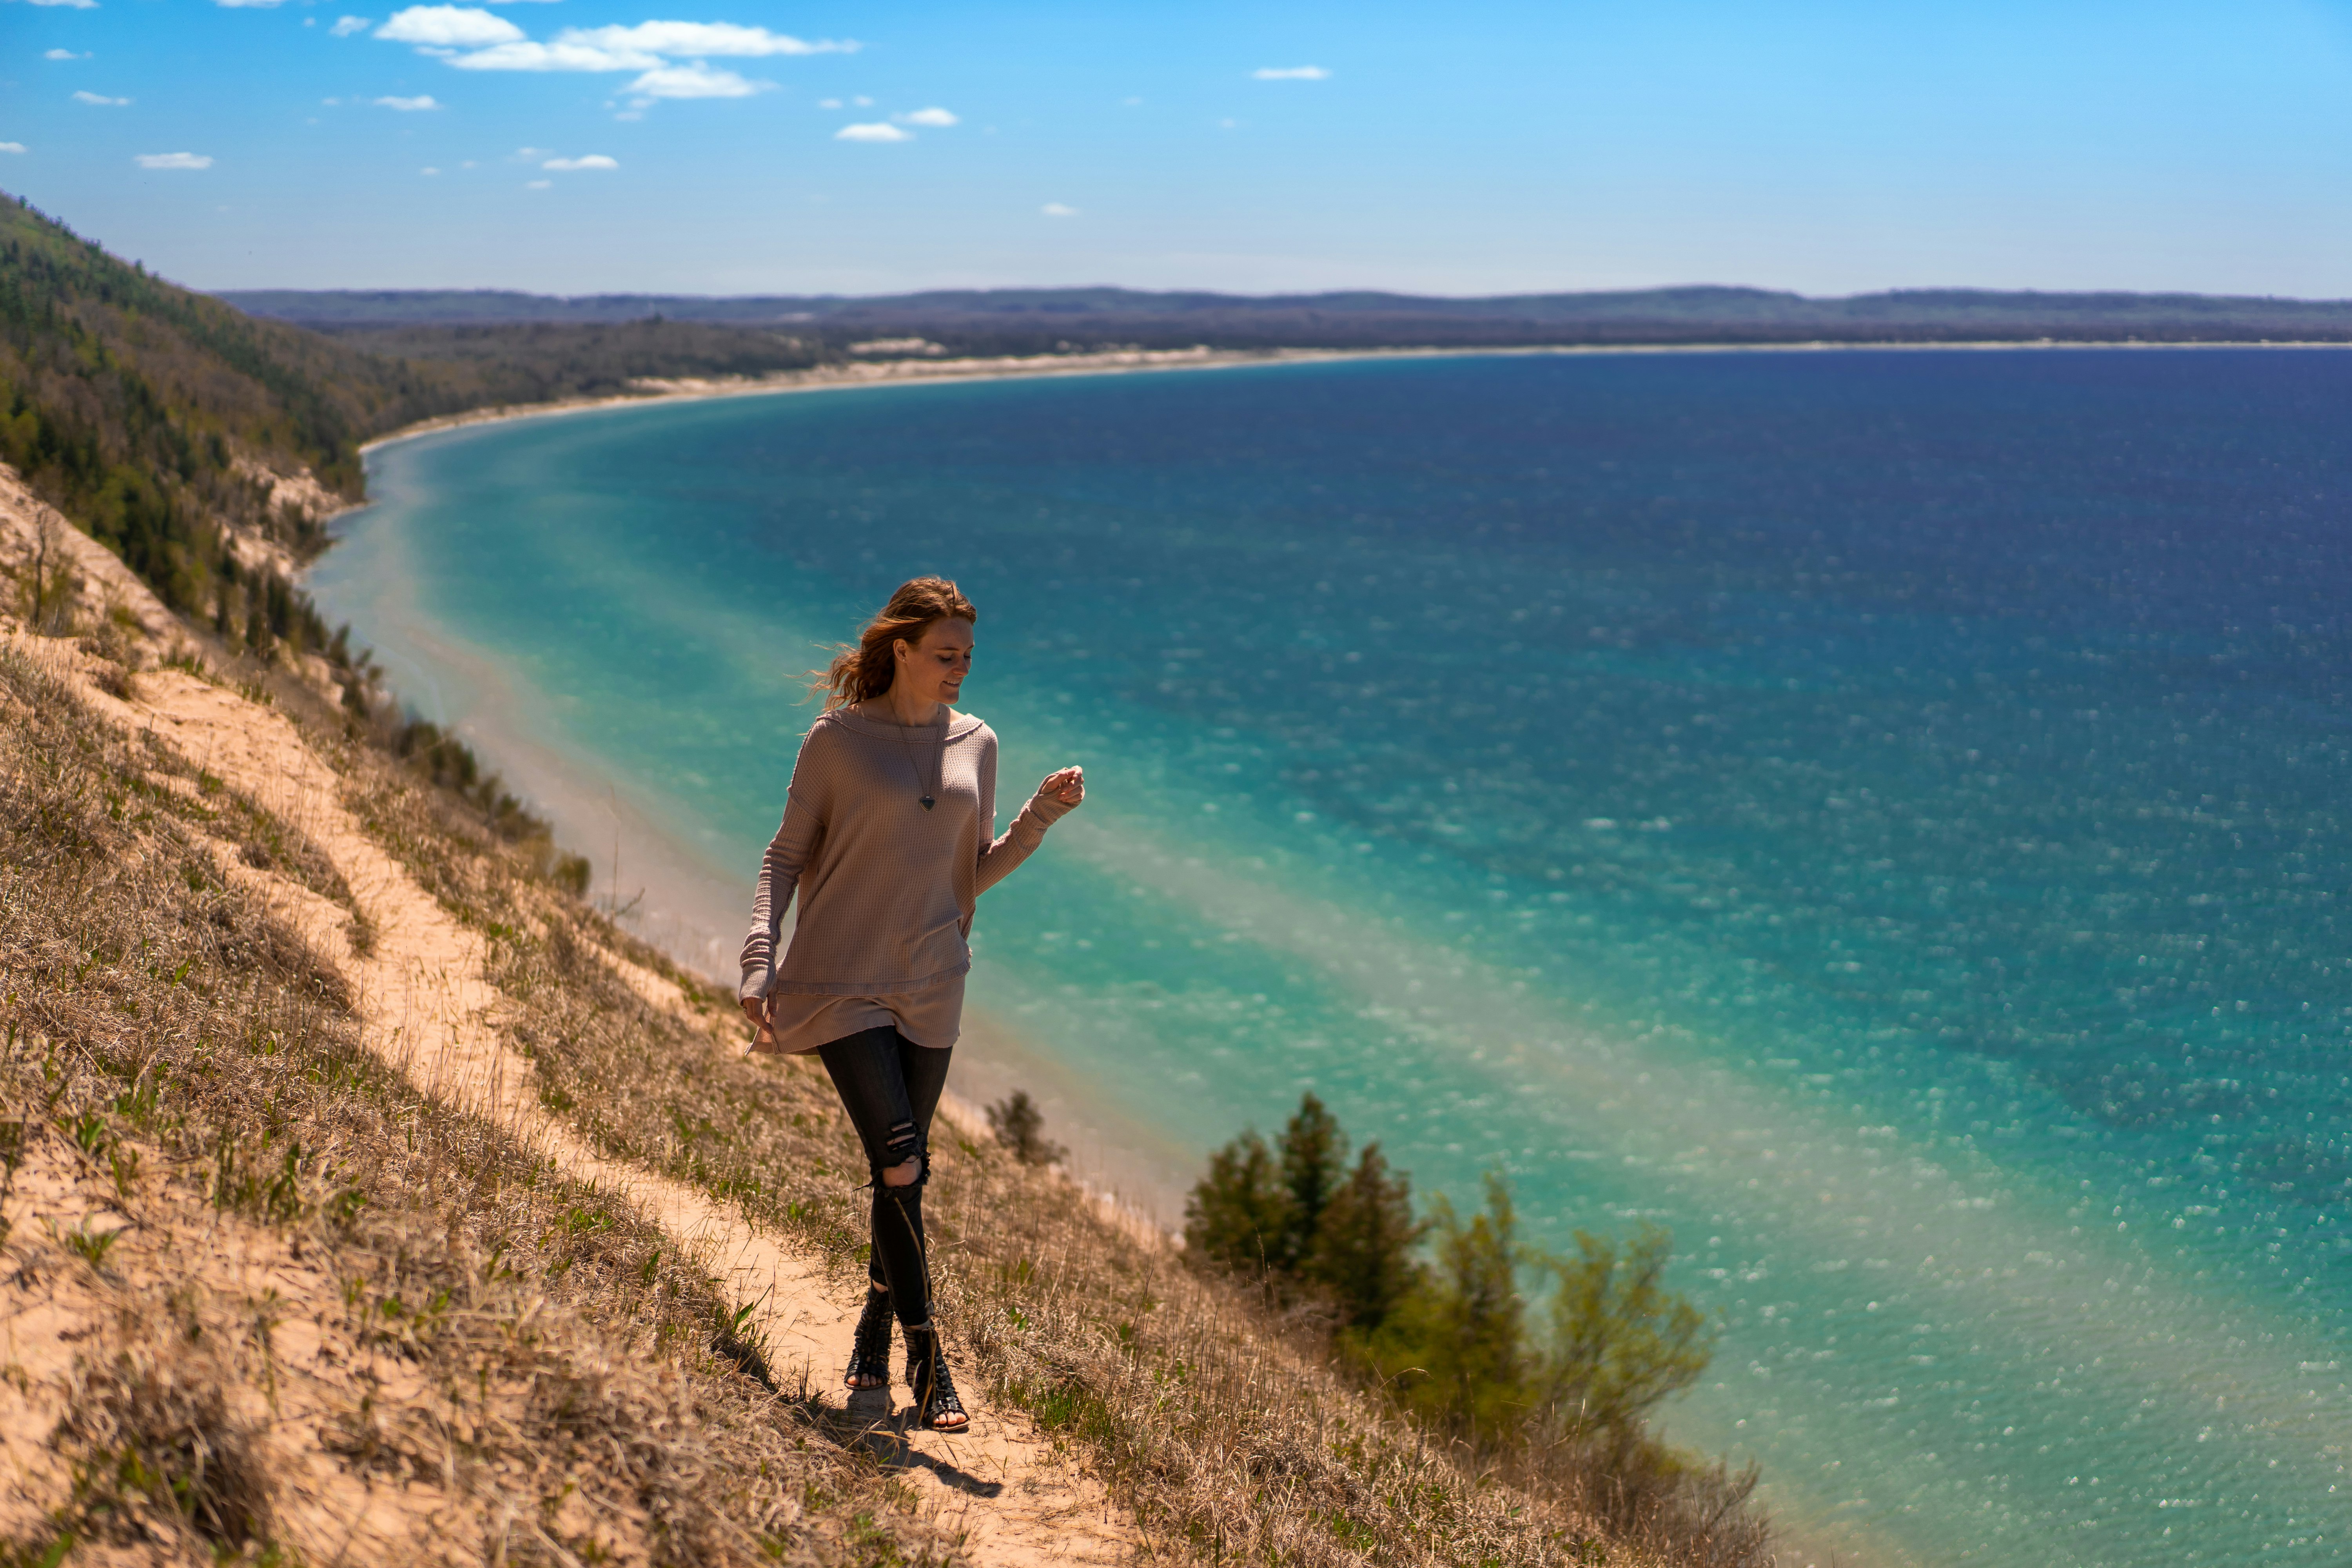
(173, 159)
(878, 132)
(63, 55)
(249, 4)
(828, 103)
(448, 26)
(525, 56)
(428, 170)
(696, 80)
(537, 185)
(69, 4)
(424, 101)
(99, 98)
(1291, 73)
(700, 40)
(927, 117)
(1056, 209)
(346, 25)
(11, 146)
(592, 160)
(672, 59)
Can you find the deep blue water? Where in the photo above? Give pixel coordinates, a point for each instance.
(1883, 815)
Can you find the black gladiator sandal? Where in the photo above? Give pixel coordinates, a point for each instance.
(937, 1407)
(870, 1353)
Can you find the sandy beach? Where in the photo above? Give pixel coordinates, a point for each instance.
(1121, 362)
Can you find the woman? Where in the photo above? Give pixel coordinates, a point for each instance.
(889, 837)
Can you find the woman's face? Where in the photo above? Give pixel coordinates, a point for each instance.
(935, 667)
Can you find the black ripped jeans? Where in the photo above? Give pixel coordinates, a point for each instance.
(890, 1085)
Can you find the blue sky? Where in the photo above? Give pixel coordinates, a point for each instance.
(1476, 147)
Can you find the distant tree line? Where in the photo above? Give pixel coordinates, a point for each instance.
(1041, 321)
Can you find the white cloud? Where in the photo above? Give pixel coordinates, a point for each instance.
(428, 170)
(537, 185)
(592, 160)
(73, 4)
(696, 80)
(173, 161)
(249, 4)
(448, 26)
(700, 39)
(408, 105)
(828, 103)
(99, 98)
(519, 55)
(1291, 73)
(11, 146)
(862, 101)
(533, 151)
(875, 133)
(346, 25)
(63, 55)
(927, 117)
(1056, 209)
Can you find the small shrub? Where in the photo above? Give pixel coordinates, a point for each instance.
(155, 1450)
(1621, 1341)
(1020, 1126)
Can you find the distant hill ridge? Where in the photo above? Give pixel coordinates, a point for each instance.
(1362, 318)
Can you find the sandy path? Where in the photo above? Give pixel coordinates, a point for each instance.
(427, 1009)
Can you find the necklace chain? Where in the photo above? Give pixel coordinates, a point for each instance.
(916, 768)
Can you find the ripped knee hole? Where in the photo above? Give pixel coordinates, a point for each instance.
(905, 1150)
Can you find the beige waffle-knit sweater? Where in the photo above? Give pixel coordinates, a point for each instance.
(887, 887)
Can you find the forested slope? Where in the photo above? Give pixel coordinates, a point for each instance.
(207, 448)
(151, 415)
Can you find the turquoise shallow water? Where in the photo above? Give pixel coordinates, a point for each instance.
(1880, 815)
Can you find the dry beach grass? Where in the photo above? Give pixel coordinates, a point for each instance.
(449, 1223)
(333, 1315)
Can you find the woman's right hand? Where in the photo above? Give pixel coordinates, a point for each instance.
(756, 1009)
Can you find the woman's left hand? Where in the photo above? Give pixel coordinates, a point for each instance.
(1063, 787)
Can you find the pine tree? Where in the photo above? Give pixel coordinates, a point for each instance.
(1363, 1251)
(1314, 1163)
(1238, 1215)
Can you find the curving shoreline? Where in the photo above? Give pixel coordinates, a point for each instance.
(656, 391)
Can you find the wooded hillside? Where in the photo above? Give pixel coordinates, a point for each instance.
(151, 415)
(167, 422)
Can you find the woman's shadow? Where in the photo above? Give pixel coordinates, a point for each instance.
(869, 1421)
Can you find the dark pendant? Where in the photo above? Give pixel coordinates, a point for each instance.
(928, 802)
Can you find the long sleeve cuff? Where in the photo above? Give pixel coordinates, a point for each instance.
(1047, 809)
